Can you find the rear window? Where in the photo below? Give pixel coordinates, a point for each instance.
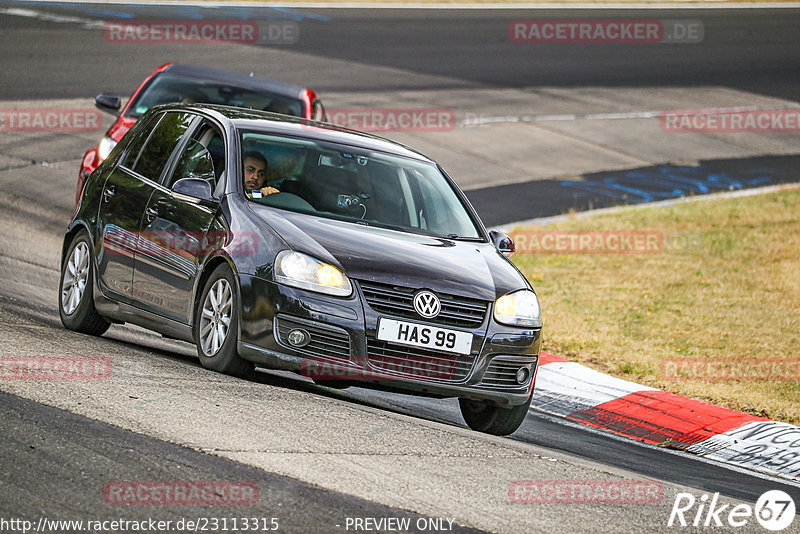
(168, 89)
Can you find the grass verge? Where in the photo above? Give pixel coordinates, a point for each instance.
(714, 313)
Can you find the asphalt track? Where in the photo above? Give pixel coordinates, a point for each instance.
(61, 444)
(55, 461)
(545, 198)
(755, 49)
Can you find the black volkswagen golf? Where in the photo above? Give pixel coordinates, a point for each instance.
(289, 244)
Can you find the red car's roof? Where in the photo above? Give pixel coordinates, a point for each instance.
(234, 78)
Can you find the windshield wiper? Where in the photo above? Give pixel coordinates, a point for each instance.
(456, 237)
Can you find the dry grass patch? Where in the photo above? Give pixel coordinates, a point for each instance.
(725, 288)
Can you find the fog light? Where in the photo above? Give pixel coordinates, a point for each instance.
(522, 375)
(298, 338)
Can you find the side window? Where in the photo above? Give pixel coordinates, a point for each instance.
(435, 209)
(161, 144)
(203, 157)
(142, 133)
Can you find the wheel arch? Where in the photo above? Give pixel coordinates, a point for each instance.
(209, 267)
(72, 231)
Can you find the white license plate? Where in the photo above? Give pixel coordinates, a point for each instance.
(430, 337)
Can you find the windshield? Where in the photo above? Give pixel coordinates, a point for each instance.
(168, 88)
(358, 185)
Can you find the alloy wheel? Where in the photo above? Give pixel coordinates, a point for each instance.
(75, 277)
(216, 317)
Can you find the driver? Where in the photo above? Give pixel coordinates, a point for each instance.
(255, 175)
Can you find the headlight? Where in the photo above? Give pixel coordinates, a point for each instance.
(105, 147)
(300, 270)
(520, 308)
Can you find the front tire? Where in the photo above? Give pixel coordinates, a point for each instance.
(216, 325)
(492, 419)
(75, 295)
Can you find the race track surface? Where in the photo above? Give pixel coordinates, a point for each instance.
(316, 454)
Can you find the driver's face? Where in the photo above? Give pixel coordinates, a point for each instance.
(255, 172)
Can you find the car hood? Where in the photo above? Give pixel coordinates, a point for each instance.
(462, 268)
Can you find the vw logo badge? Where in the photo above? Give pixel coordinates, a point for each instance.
(427, 304)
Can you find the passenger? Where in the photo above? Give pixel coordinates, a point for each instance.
(255, 175)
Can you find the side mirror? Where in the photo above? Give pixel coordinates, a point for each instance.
(196, 188)
(502, 242)
(108, 103)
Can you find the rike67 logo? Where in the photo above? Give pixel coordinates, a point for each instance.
(774, 510)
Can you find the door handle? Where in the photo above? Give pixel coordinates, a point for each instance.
(109, 192)
(151, 213)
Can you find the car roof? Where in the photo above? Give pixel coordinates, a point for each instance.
(234, 78)
(251, 119)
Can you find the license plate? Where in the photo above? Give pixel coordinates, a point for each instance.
(429, 337)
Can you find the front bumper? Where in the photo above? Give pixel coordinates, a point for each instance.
(344, 347)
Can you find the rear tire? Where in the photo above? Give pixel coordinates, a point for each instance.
(76, 290)
(492, 419)
(216, 325)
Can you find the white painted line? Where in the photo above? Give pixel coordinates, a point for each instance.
(49, 17)
(443, 5)
(628, 115)
(475, 119)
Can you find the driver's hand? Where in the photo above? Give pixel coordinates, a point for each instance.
(268, 190)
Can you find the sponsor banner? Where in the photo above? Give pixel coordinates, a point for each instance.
(770, 446)
(604, 31)
(585, 492)
(181, 493)
(54, 368)
(394, 119)
(730, 121)
(50, 120)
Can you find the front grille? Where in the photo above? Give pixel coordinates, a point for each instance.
(502, 373)
(399, 301)
(418, 363)
(326, 341)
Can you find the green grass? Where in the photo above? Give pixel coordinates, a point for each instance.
(725, 288)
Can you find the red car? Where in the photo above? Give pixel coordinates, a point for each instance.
(189, 84)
